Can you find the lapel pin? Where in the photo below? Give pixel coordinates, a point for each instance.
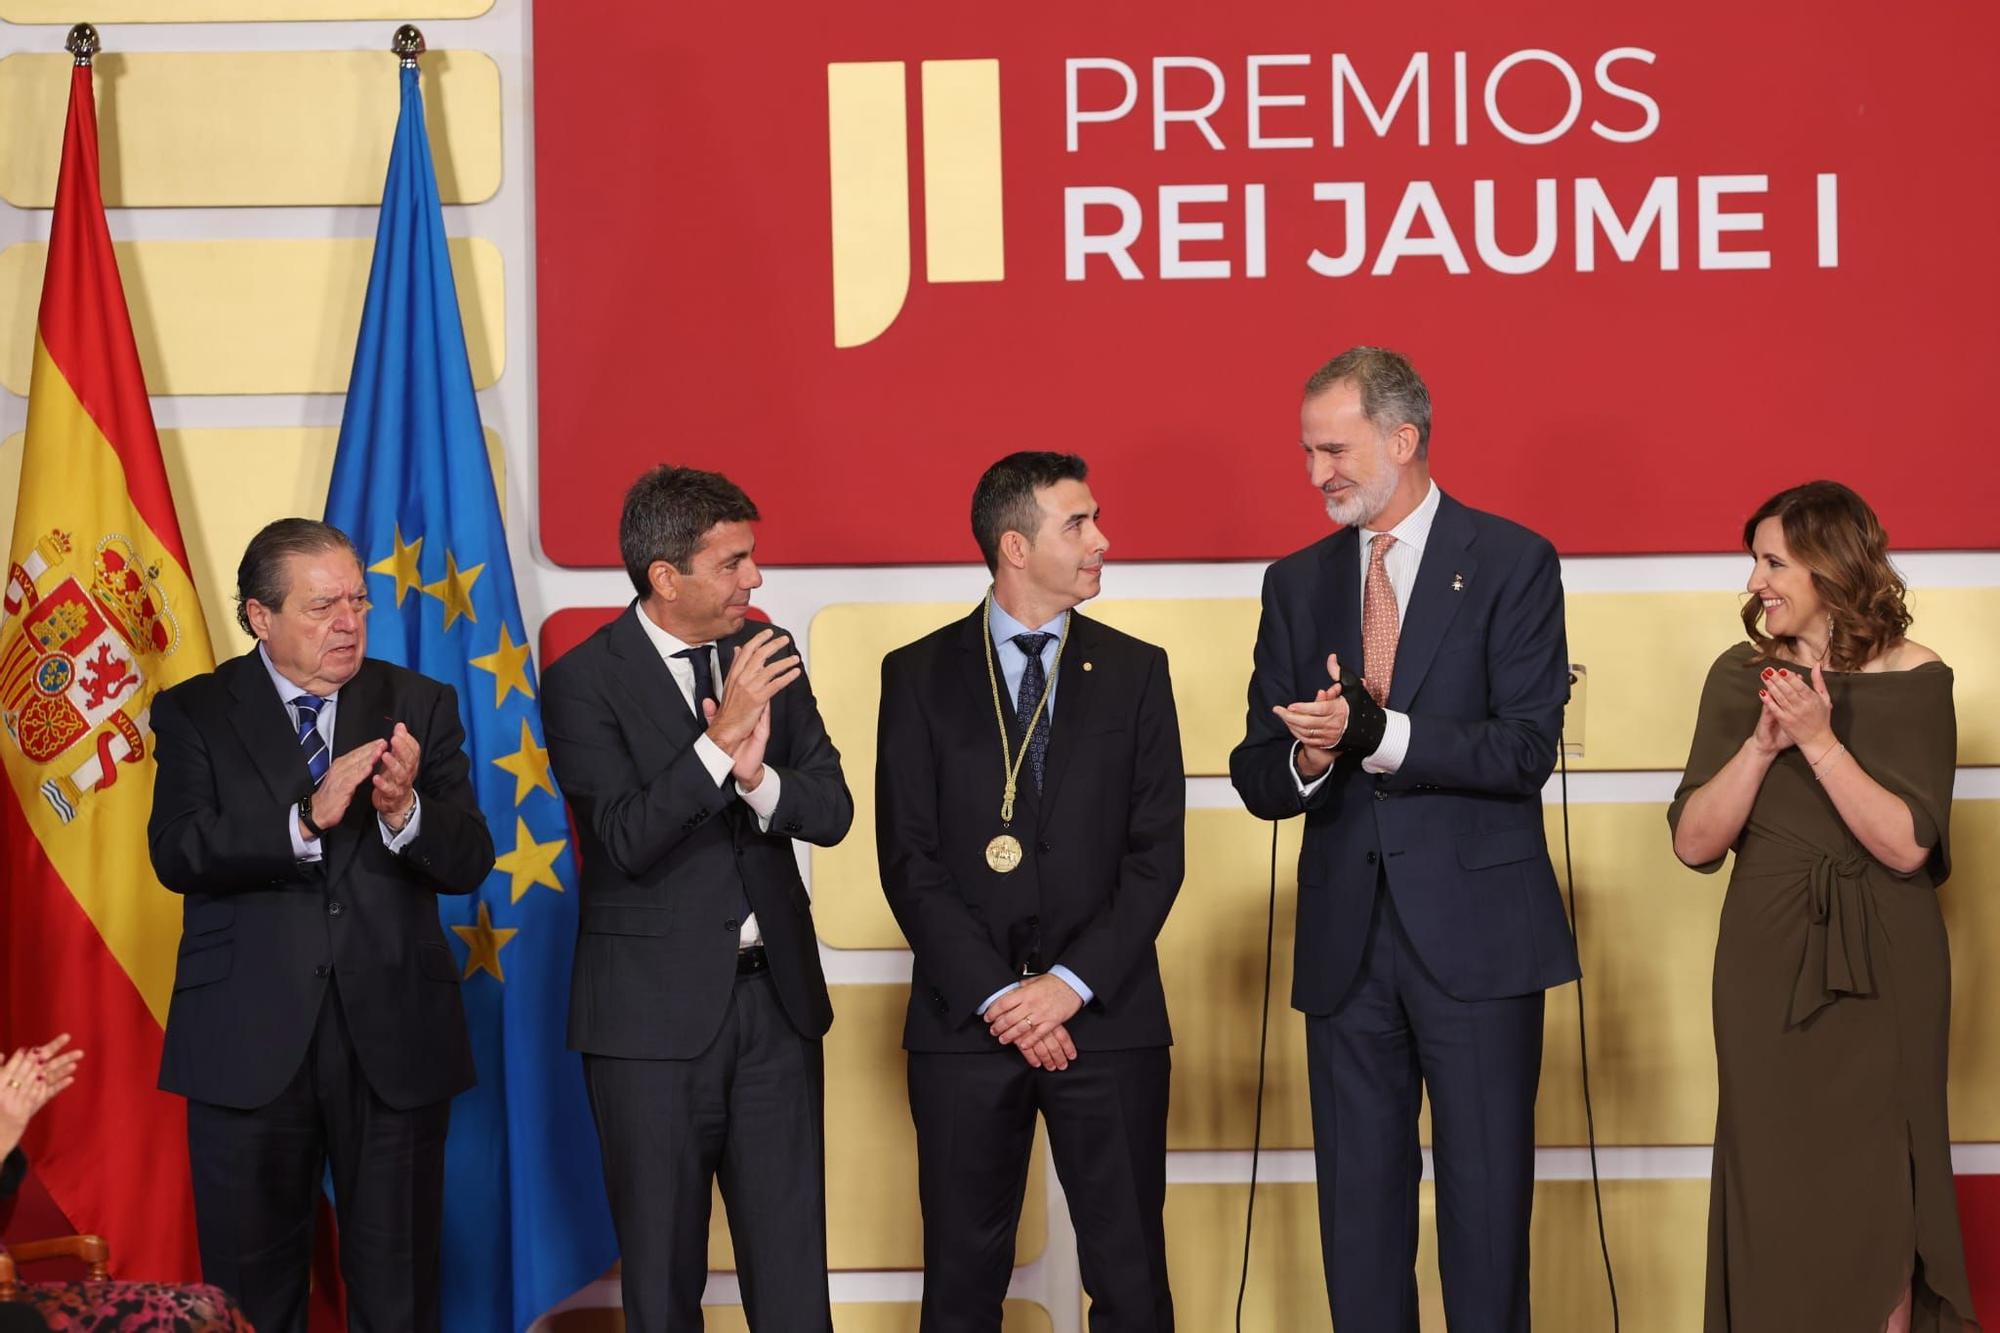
(1458, 583)
(1086, 666)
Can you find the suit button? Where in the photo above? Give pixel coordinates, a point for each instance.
(321, 970)
(1381, 795)
(1034, 923)
(334, 909)
(793, 826)
(732, 924)
(1043, 848)
(1371, 858)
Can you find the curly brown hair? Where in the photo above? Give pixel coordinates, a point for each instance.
(1833, 533)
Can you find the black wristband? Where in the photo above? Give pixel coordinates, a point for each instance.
(1366, 719)
(312, 830)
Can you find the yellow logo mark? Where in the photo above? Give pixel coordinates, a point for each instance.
(868, 153)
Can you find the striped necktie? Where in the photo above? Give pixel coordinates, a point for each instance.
(311, 743)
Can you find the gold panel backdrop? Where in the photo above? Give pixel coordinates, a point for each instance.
(249, 128)
(249, 316)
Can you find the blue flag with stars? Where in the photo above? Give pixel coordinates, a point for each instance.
(525, 1218)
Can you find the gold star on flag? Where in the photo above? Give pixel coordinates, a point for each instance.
(529, 765)
(402, 566)
(483, 944)
(509, 665)
(455, 590)
(531, 862)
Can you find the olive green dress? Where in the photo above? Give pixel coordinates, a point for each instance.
(1832, 1182)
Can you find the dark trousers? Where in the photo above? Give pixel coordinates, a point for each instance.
(257, 1176)
(1394, 1034)
(748, 1113)
(1107, 1118)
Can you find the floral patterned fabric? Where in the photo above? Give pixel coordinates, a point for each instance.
(133, 1307)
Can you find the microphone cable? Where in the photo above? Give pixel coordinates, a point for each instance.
(1582, 1032)
(1263, 1047)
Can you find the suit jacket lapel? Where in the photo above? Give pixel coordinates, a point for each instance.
(975, 689)
(1443, 576)
(1072, 702)
(265, 728)
(1337, 615)
(644, 677)
(362, 715)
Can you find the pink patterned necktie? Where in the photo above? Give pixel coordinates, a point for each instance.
(1380, 623)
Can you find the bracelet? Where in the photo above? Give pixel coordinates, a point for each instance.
(1836, 749)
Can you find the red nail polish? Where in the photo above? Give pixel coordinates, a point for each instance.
(1767, 673)
(1763, 694)
(1784, 673)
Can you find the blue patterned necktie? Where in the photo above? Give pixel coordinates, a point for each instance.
(311, 743)
(1033, 679)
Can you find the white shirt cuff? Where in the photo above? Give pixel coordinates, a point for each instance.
(713, 757)
(763, 802)
(302, 850)
(1305, 788)
(1012, 985)
(1074, 982)
(1388, 756)
(396, 842)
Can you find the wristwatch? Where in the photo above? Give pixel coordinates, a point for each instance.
(312, 830)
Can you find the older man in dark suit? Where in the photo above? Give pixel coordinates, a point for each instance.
(1407, 699)
(1030, 810)
(311, 804)
(692, 753)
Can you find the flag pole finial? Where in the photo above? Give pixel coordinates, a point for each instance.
(408, 44)
(83, 44)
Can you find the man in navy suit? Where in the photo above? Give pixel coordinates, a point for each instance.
(1410, 678)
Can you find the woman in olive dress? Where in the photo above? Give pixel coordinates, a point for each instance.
(1824, 755)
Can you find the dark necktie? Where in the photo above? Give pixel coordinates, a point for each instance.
(311, 743)
(1033, 679)
(704, 678)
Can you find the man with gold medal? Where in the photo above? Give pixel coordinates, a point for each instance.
(1029, 815)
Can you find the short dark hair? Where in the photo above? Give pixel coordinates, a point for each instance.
(260, 574)
(1392, 393)
(667, 513)
(1004, 499)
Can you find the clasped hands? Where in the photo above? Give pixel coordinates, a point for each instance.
(1031, 1019)
(741, 724)
(391, 765)
(1796, 711)
(1340, 717)
(29, 1079)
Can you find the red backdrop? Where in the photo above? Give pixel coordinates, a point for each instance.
(685, 291)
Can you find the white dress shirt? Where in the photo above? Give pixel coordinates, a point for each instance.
(1013, 665)
(308, 849)
(763, 801)
(1400, 563)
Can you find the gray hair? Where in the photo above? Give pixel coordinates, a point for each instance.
(261, 576)
(1392, 393)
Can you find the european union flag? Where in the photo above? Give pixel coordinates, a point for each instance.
(525, 1218)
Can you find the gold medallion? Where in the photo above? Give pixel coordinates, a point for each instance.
(1003, 853)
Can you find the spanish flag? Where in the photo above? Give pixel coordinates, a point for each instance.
(100, 613)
